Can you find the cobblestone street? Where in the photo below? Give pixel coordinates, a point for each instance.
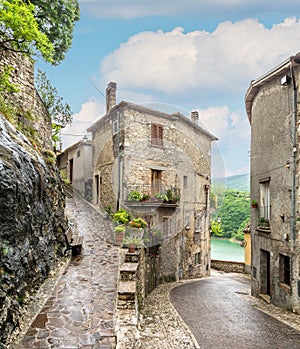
(80, 311)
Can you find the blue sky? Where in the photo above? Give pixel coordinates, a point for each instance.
(186, 55)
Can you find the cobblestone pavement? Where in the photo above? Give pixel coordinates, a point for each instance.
(80, 311)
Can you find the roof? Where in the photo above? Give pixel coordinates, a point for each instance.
(176, 115)
(255, 85)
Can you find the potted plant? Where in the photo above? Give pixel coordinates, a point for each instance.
(254, 204)
(134, 195)
(132, 243)
(121, 216)
(120, 231)
(172, 196)
(138, 223)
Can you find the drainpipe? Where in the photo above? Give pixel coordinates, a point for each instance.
(119, 163)
(294, 60)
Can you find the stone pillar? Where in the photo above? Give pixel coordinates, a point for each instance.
(111, 96)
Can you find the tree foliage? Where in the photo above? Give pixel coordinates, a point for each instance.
(44, 26)
(19, 30)
(59, 111)
(56, 19)
(234, 213)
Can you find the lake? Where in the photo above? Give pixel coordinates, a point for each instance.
(225, 250)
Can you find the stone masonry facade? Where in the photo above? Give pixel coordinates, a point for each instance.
(27, 97)
(273, 108)
(125, 160)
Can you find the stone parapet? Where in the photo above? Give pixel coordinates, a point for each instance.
(228, 266)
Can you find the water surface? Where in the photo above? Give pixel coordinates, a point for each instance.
(225, 250)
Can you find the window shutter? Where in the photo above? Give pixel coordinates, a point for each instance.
(153, 133)
(157, 134)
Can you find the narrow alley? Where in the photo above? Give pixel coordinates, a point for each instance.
(80, 312)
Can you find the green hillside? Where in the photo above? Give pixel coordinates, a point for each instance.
(230, 206)
(238, 182)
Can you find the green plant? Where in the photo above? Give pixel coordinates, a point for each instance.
(161, 196)
(146, 197)
(49, 156)
(254, 203)
(108, 209)
(132, 240)
(135, 196)
(120, 228)
(172, 195)
(64, 177)
(121, 216)
(138, 223)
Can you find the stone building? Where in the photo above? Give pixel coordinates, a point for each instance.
(27, 99)
(273, 111)
(151, 154)
(79, 157)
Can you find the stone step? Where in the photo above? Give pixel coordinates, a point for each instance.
(128, 271)
(131, 257)
(127, 290)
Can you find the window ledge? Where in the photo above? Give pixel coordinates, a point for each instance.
(285, 287)
(264, 230)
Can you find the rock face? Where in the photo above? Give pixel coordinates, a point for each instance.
(32, 223)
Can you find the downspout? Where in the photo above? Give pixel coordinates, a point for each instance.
(119, 163)
(294, 147)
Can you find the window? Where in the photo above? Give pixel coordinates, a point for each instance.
(166, 226)
(265, 198)
(197, 258)
(115, 127)
(185, 182)
(156, 178)
(198, 223)
(284, 270)
(187, 220)
(78, 153)
(157, 134)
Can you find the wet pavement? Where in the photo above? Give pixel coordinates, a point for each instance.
(220, 315)
(80, 311)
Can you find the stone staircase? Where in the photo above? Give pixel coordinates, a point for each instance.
(127, 286)
(127, 309)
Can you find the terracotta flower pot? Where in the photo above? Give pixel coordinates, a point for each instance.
(131, 248)
(119, 237)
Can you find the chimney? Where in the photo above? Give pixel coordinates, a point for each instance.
(111, 96)
(195, 116)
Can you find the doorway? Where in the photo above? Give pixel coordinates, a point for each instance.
(71, 170)
(265, 272)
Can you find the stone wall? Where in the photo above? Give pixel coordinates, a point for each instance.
(32, 223)
(184, 163)
(27, 99)
(228, 267)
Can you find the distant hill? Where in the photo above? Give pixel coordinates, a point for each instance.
(238, 182)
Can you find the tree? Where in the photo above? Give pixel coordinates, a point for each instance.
(216, 228)
(234, 212)
(59, 111)
(19, 30)
(44, 26)
(56, 19)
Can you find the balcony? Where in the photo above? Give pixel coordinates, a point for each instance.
(141, 197)
(263, 225)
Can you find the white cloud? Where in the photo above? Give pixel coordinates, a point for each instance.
(225, 60)
(90, 112)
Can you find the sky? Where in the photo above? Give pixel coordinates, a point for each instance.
(177, 55)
